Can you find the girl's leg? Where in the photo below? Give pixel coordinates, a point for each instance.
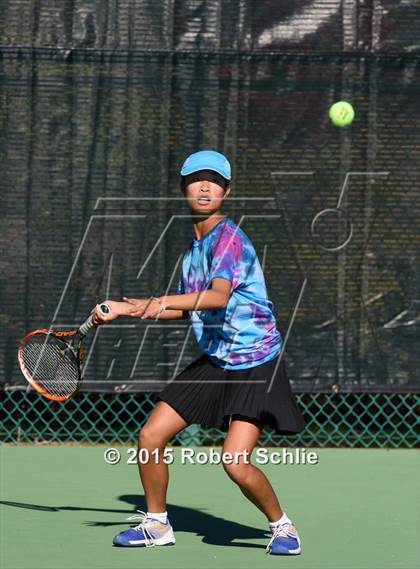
(163, 424)
(243, 435)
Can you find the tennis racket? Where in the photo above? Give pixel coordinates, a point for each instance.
(50, 361)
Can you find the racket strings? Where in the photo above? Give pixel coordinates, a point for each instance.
(51, 364)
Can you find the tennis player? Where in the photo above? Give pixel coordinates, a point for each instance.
(222, 290)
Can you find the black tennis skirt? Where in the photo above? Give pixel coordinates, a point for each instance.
(209, 395)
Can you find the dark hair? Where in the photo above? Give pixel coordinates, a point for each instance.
(224, 180)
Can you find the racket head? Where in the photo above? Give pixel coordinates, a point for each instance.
(50, 363)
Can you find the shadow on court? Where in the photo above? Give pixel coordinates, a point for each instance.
(214, 530)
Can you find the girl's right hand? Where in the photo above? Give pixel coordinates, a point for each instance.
(116, 309)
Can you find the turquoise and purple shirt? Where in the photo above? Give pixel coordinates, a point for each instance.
(243, 334)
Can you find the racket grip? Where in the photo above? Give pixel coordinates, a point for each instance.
(88, 324)
(104, 308)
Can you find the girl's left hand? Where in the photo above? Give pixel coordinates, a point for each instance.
(144, 308)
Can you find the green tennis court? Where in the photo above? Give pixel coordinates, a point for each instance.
(355, 509)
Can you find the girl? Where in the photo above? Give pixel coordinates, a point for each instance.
(238, 384)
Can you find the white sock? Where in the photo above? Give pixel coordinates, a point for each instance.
(162, 517)
(283, 520)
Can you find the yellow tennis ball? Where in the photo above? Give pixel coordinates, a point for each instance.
(341, 113)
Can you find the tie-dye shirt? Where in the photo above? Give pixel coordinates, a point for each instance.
(243, 334)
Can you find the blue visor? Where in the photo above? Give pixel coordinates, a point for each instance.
(207, 160)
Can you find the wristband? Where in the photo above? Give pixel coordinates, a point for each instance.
(162, 308)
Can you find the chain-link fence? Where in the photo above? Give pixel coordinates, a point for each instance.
(341, 419)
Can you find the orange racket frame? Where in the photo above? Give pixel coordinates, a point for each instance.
(82, 331)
